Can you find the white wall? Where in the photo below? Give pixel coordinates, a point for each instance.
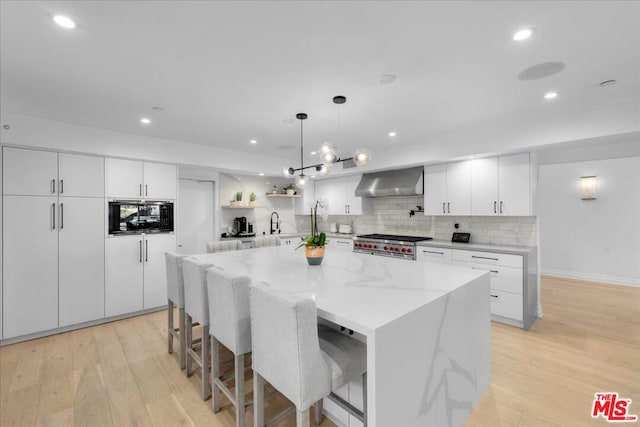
(597, 239)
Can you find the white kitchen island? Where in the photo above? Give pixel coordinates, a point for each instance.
(426, 326)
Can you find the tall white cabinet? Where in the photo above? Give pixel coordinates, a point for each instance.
(53, 251)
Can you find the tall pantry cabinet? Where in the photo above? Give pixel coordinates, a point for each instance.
(53, 240)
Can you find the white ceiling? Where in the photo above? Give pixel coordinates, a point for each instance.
(228, 72)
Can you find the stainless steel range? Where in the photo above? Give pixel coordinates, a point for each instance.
(388, 245)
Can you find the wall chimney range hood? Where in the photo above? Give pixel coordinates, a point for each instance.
(400, 182)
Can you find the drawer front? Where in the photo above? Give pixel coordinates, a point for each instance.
(506, 279)
(433, 255)
(506, 304)
(506, 260)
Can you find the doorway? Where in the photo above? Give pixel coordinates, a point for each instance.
(195, 215)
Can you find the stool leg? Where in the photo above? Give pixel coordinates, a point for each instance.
(239, 374)
(215, 373)
(206, 388)
(189, 343)
(183, 339)
(302, 418)
(317, 411)
(170, 325)
(258, 400)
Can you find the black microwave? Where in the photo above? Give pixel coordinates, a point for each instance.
(135, 217)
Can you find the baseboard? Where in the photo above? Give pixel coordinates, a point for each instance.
(600, 278)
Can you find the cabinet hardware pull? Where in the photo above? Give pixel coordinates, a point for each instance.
(140, 189)
(61, 216)
(448, 210)
(146, 251)
(53, 216)
(53, 186)
(484, 257)
(443, 211)
(500, 206)
(140, 244)
(146, 190)
(494, 296)
(482, 269)
(61, 186)
(432, 252)
(495, 207)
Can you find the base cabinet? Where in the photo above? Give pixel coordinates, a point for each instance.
(135, 272)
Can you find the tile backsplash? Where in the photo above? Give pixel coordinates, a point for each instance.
(390, 215)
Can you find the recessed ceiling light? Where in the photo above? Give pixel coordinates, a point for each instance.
(261, 174)
(313, 153)
(145, 121)
(387, 79)
(64, 22)
(523, 34)
(253, 141)
(550, 95)
(392, 134)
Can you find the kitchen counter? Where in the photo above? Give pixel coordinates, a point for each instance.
(427, 327)
(486, 247)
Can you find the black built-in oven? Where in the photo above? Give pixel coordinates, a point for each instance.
(135, 217)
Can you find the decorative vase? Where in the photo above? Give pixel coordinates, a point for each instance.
(290, 192)
(314, 254)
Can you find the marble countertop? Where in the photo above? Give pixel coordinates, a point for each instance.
(358, 291)
(486, 247)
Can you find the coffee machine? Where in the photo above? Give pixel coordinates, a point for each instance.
(240, 225)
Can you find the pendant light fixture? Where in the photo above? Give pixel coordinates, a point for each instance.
(328, 153)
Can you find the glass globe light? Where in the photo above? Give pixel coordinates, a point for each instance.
(301, 181)
(362, 157)
(288, 172)
(323, 169)
(325, 147)
(330, 157)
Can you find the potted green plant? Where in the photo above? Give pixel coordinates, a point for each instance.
(290, 189)
(252, 199)
(238, 199)
(314, 244)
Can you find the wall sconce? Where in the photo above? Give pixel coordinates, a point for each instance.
(588, 187)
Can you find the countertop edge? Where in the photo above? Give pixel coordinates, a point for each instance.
(486, 247)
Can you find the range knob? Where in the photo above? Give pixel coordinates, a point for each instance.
(408, 250)
(375, 246)
(404, 250)
(386, 248)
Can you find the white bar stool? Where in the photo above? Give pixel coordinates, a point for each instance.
(229, 325)
(302, 362)
(196, 307)
(224, 246)
(175, 298)
(265, 241)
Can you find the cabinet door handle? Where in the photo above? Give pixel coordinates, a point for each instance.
(61, 216)
(484, 257)
(146, 251)
(492, 271)
(443, 211)
(140, 190)
(53, 186)
(146, 190)
(495, 207)
(140, 244)
(494, 296)
(61, 186)
(432, 252)
(448, 207)
(53, 216)
(500, 206)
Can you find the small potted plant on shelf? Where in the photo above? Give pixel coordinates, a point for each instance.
(252, 199)
(290, 189)
(314, 244)
(238, 199)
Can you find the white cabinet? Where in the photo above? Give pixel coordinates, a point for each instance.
(81, 176)
(135, 272)
(447, 189)
(304, 203)
(133, 179)
(81, 259)
(433, 255)
(29, 172)
(30, 265)
(335, 242)
(339, 193)
(501, 186)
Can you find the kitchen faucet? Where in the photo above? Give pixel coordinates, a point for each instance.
(272, 230)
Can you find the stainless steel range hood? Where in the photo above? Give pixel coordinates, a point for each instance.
(400, 182)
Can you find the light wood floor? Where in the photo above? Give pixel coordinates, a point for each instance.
(119, 374)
